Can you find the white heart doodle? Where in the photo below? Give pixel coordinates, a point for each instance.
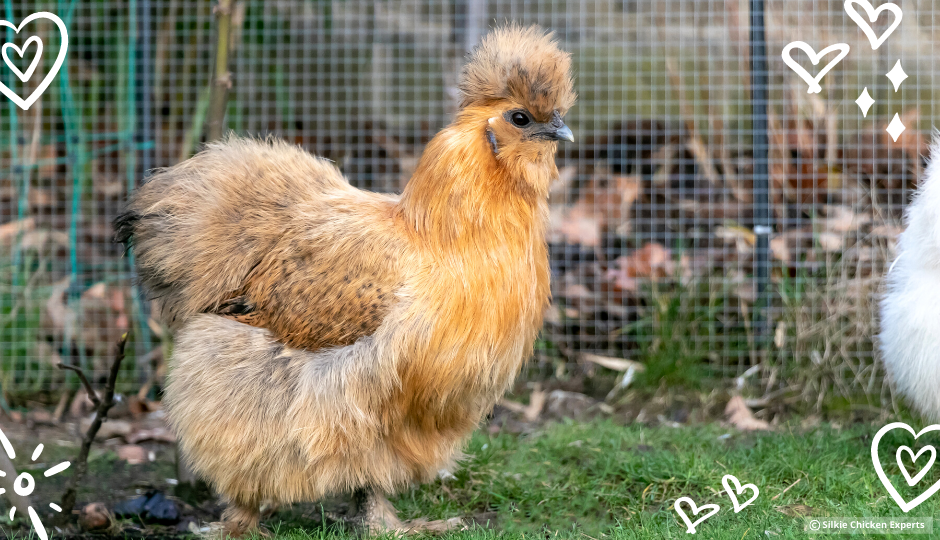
(25, 104)
(876, 461)
(873, 13)
(924, 470)
(32, 65)
(738, 488)
(813, 82)
(695, 511)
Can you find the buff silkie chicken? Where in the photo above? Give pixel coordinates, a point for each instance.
(331, 340)
(910, 307)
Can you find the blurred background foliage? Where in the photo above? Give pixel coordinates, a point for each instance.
(651, 241)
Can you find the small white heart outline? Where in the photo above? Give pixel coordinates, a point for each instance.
(25, 104)
(872, 17)
(695, 511)
(737, 491)
(813, 82)
(924, 470)
(902, 504)
(32, 65)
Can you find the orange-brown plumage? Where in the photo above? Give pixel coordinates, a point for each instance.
(331, 339)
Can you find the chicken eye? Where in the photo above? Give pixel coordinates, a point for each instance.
(520, 119)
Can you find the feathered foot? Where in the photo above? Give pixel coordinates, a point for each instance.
(370, 510)
(376, 515)
(237, 522)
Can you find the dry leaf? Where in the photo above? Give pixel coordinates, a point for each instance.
(842, 219)
(94, 517)
(60, 407)
(81, 404)
(616, 204)
(616, 364)
(577, 291)
(10, 230)
(830, 242)
(103, 315)
(512, 406)
(60, 316)
(741, 416)
(743, 238)
(788, 245)
(779, 249)
(136, 406)
(746, 292)
(109, 429)
(604, 205)
(41, 417)
(562, 404)
(159, 434)
(536, 404)
(560, 188)
(795, 510)
(575, 225)
(132, 454)
(652, 261)
(887, 231)
(810, 422)
(39, 239)
(780, 334)
(551, 315)
(40, 197)
(697, 148)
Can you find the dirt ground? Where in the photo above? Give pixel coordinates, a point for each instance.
(148, 466)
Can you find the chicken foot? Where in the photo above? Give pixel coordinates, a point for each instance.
(237, 521)
(374, 513)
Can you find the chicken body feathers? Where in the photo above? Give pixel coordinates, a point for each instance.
(910, 323)
(315, 318)
(268, 235)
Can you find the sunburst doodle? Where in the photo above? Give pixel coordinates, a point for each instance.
(25, 484)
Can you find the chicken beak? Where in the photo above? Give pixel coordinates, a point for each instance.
(564, 133)
(556, 130)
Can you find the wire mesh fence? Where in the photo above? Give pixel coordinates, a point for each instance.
(652, 219)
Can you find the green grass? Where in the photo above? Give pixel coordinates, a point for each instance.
(688, 340)
(621, 482)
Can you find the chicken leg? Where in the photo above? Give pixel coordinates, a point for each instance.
(375, 514)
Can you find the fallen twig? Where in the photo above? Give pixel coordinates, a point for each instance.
(101, 412)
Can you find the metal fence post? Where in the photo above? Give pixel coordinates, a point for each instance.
(759, 127)
(144, 137)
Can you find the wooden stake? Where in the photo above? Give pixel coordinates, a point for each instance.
(222, 81)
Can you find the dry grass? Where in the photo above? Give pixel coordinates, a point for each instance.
(825, 338)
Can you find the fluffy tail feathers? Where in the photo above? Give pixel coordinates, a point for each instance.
(199, 228)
